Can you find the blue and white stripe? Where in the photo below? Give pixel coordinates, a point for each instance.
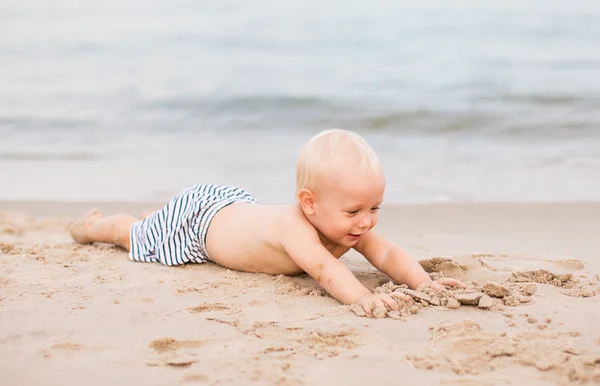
(176, 234)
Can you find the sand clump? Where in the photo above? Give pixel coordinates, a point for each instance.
(583, 290)
(496, 290)
(528, 289)
(469, 298)
(517, 290)
(569, 285)
(445, 266)
(486, 302)
(428, 297)
(406, 308)
(491, 295)
(543, 276)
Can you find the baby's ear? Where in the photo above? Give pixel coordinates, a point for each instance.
(306, 198)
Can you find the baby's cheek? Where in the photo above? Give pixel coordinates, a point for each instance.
(374, 221)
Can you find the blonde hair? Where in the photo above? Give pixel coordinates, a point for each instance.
(330, 149)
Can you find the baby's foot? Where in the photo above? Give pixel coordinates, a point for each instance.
(79, 227)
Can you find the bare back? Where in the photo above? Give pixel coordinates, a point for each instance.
(246, 237)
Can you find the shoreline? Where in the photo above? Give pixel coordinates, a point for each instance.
(52, 208)
(552, 228)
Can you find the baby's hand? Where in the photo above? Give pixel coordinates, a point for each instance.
(385, 301)
(439, 284)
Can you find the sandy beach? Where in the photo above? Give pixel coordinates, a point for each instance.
(484, 116)
(73, 315)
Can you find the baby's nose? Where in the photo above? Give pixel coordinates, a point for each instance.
(365, 222)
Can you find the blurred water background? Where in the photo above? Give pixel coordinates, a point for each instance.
(130, 100)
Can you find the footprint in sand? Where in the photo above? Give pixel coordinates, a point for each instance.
(10, 229)
(206, 307)
(169, 344)
(66, 348)
(195, 377)
(317, 343)
(7, 249)
(570, 264)
(192, 290)
(330, 344)
(175, 353)
(107, 275)
(5, 282)
(465, 348)
(269, 372)
(289, 286)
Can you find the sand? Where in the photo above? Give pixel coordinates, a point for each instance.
(72, 314)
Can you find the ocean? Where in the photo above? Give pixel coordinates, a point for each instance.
(464, 101)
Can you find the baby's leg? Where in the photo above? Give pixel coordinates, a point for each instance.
(92, 227)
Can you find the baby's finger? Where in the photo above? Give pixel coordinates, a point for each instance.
(379, 304)
(451, 282)
(368, 308)
(391, 303)
(400, 296)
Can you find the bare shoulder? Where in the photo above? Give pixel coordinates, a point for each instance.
(293, 219)
(294, 225)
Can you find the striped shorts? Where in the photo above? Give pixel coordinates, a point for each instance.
(176, 234)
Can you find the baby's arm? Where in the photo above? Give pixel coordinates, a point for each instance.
(302, 244)
(392, 260)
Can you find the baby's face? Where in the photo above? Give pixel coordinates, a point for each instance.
(347, 205)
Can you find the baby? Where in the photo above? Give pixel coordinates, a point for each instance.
(339, 188)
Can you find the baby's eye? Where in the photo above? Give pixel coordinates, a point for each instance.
(353, 211)
(375, 208)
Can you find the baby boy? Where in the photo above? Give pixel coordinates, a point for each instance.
(339, 188)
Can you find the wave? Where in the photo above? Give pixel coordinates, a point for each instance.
(541, 99)
(243, 104)
(536, 115)
(281, 112)
(33, 122)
